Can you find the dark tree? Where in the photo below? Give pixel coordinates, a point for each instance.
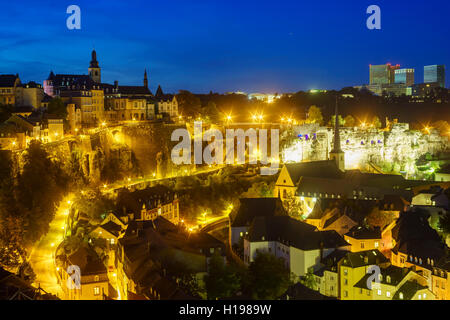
(222, 281)
(268, 277)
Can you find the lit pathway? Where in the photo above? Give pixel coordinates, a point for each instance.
(42, 255)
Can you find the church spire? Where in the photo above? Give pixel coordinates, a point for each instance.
(337, 136)
(94, 69)
(145, 79)
(336, 153)
(94, 62)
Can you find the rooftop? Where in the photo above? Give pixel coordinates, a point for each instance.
(255, 207)
(293, 232)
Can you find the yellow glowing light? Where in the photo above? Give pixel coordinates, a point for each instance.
(154, 174)
(104, 186)
(57, 268)
(182, 220)
(190, 229)
(129, 179)
(13, 143)
(69, 202)
(62, 227)
(103, 124)
(52, 244)
(76, 129)
(114, 274)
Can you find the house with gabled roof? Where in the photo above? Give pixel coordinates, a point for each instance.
(299, 244)
(250, 208)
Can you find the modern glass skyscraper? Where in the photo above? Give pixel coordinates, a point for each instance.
(383, 74)
(434, 73)
(404, 76)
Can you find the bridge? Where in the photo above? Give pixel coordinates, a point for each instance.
(218, 224)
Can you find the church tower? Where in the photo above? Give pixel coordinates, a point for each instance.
(94, 68)
(336, 153)
(145, 79)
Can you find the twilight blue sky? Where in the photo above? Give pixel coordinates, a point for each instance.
(202, 45)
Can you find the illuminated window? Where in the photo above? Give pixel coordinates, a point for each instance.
(376, 244)
(388, 294)
(96, 291)
(424, 295)
(379, 292)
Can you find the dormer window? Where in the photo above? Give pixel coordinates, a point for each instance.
(388, 279)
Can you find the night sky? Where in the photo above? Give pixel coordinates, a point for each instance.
(251, 46)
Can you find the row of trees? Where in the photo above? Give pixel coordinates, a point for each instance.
(359, 104)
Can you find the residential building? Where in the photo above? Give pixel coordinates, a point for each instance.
(393, 283)
(363, 238)
(299, 244)
(10, 89)
(94, 283)
(150, 249)
(32, 95)
(415, 244)
(249, 209)
(441, 278)
(353, 267)
(150, 203)
(166, 103)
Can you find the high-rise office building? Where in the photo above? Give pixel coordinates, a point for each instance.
(434, 73)
(383, 74)
(404, 76)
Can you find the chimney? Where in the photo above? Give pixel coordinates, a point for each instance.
(116, 84)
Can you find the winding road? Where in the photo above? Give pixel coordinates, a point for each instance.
(42, 256)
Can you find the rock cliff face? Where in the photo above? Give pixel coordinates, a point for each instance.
(397, 148)
(151, 145)
(135, 150)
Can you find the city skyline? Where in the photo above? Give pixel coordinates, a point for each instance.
(186, 55)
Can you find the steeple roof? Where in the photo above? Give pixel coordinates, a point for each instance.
(94, 62)
(337, 138)
(159, 92)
